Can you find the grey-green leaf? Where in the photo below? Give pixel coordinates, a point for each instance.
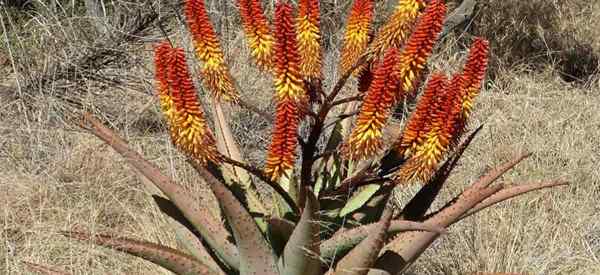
(256, 257)
(208, 226)
(301, 253)
(362, 257)
(166, 257)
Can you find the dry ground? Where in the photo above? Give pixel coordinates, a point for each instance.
(54, 177)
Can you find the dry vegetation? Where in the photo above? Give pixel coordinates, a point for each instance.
(53, 176)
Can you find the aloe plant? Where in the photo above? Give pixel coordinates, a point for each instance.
(330, 212)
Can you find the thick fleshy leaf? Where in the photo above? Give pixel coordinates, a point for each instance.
(301, 253)
(359, 199)
(211, 229)
(256, 257)
(361, 258)
(279, 233)
(416, 208)
(229, 148)
(44, 269)
(185, 233)
(342, 241)
(166, 257)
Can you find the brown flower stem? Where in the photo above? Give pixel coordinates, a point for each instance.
(346, 100)
(259, 174)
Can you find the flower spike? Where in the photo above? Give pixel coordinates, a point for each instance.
(366, 138)
(418, 124)
(397, 29)
(442, 131)
(189, 130)
(288, 80)
(258, 33)
(474, 72)
(282, 152)
(309, 38)
(162, 60)
(356, 38)
(208, 49)
(420, 45)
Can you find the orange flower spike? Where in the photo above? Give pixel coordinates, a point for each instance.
(288, 80)
(282, 151)
(418, 126)
(366, 137)
(356, 38)
(208, 49)
(474, 72)
(397, 29)
(309, 38)
(420, 45)
(258, 33)
(442, 132)
(162, 55)
(190, 132)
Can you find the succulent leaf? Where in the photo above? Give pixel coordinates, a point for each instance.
(208, 226)
(279, 232)
(256, 257)
(360, 259)
(166, 257)
(301, 253)
(359, 199)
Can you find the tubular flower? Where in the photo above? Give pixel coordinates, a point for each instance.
(420, 44)
(442, 131)
(162, 56)
(189, 130)
(356, 39)
(418, 124)
(282, 152)
(366, 138)
(288, 80)
(309, 38)
(208, 49)
(397, 29)
(258, 33)
(474, 72)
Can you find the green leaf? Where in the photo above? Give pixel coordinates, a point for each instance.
(43, 269)
(359, 199)
(256, 257)
(200, 217)
(362, 257)
(166, 257)
(301, 253)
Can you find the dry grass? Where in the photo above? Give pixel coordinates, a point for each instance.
(53, 176)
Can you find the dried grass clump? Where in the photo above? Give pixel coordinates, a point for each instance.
(537, 33)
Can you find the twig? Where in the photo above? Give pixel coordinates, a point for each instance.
(346, 100)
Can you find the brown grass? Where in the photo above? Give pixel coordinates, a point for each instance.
(53, 176)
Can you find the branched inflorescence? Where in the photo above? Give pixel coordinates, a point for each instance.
(395, 32)
(290, 95)
(208, 49)
(441, 115)
(258, 33)
(356, 38)
(419, 46)
(179, 103)
(309, 38)
(366, 137)
(474, 72)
